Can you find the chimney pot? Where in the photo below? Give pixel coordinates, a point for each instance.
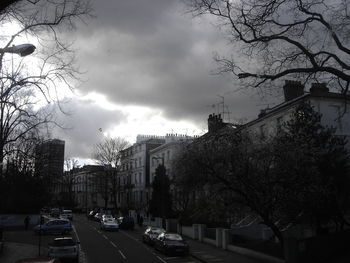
(292, 89)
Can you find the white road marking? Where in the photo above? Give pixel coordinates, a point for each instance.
(121, 253)
(76, 233)
(99, 231)
(114, 245)
(161, 259)
(105, 237)
(130, 236)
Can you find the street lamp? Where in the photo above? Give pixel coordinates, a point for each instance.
(22, 50)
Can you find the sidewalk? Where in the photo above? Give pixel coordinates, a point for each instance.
(207, 253)
(15, 251)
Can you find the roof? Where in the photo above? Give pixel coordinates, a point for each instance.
(270, 111)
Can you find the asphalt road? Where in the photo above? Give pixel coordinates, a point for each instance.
(120, 246)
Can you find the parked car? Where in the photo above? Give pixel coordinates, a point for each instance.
(54, 226)
(55, 212)
(151, 233)
(91, 214)
(39, 260)
(45, 210)
(109, 224)
(64, 248)
(98, 217)
(104, 216)
(171, 243)
(67, 214)
(1, 239)
(126, 222)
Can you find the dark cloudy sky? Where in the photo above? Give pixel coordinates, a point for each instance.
(149, 68)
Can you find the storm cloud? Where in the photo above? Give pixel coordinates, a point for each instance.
(151, 54)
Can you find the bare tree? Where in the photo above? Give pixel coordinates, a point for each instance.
(67, 182)
(304, 39)
(298, 176)
(108, 153)
(26, 89)
(5, 4)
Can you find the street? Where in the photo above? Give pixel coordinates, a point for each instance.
(121, 246)
(98, 246)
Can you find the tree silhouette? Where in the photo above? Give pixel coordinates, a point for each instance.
(161, 202)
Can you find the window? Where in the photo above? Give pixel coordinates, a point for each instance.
(337, 111)
(263, 131)
(279, 123)
(168, 155)
(140, 161)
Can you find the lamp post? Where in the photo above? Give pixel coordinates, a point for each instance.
(22, 50)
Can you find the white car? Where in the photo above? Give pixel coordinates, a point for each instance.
(105, 216)
(64, 248)
(68, 214)
(109, 224)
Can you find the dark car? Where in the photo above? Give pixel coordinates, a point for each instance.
(55, 212)
(126, 222)
(98, 217)
(171, 243)
(67, 214)
(91, 215)
(151, 233)
(1, 240)
(38, 260)
(61, 226)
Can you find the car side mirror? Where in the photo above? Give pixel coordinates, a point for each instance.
(78, 242)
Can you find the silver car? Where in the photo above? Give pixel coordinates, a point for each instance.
(64, 248)
(109, 224)
(151, 233)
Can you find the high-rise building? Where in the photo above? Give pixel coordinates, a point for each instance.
(49, 161)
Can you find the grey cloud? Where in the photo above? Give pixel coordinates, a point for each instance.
(83, 126)
(149, 53)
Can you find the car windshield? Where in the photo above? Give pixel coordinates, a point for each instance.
(61, 242)
(67, 211)
(157, 231)
(174, 237)
(109, 220)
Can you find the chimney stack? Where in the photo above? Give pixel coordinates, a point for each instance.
(215, 122)
(319, 88)
(292, 89)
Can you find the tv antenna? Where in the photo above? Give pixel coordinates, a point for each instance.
(224, 108)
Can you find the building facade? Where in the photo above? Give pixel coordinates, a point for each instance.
(85, 187)
(49, 161)
(332, 106)
(134, 176)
